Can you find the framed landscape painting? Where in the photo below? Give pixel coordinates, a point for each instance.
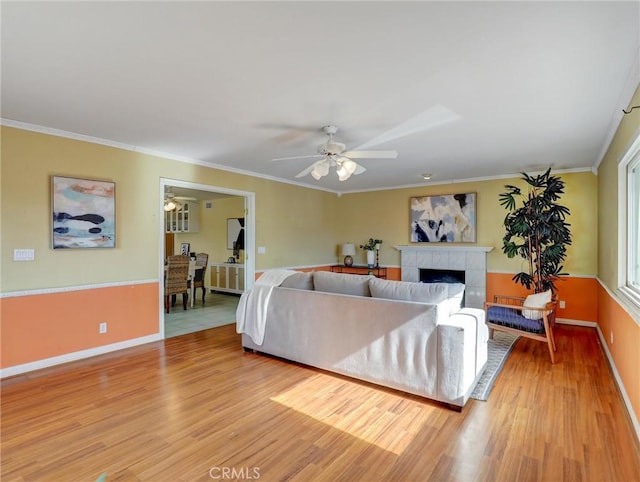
(444, 219)
(83, 213)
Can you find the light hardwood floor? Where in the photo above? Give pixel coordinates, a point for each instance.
(196, 408)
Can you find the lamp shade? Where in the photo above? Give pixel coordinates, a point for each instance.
(348, 249)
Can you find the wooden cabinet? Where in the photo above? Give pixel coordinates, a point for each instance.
(183, 220)
(378, 272)
(227, 277)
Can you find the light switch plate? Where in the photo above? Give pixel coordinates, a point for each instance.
(262, 249)
(24, 254)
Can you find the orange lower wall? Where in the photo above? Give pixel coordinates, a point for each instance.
(579, 294)
(41, 326)
(625, 349)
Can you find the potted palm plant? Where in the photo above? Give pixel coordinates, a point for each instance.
(537, 230)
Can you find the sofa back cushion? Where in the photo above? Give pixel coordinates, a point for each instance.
(455, 294)
(345, 284)
(408, 291)
(299, 281)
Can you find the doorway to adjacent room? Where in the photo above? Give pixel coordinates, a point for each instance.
(209, 207)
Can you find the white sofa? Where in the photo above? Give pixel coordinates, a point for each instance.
(412, 337)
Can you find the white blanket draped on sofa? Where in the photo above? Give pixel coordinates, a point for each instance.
(252, 307)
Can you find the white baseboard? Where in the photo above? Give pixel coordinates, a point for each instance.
(616, 375)
(567, 321)
(78, 355)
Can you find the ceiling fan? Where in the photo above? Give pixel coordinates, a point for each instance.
(335, 154)
(171, 201)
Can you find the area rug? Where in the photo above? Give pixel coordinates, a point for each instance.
(498, 351)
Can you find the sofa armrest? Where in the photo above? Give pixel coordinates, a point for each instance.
(462, 353)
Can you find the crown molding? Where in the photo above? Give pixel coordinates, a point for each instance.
(188, 160)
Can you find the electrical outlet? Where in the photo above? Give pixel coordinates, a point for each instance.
(103, 327)
(611, 334)
(563, 304)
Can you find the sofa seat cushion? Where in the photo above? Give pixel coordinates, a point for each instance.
(511, 318)
(433, 293)
(344, 284)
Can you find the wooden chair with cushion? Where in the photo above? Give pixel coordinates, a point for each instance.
(510, 314)
(202, 259)
(176, 280)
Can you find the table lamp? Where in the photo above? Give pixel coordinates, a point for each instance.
(348, 250)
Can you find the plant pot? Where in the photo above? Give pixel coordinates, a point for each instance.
(371, 258)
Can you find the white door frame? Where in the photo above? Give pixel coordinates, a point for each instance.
(249, 233)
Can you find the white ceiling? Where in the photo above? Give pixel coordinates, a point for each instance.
(529, 84)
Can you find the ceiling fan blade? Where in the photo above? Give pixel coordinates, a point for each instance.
(359, 169)
(292, 133)
(308, 169)
(184, 198)
(435, 116)
(295, 157)
(371, 154)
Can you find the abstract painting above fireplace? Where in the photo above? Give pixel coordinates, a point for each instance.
(444, 219)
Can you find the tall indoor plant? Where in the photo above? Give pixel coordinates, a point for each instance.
(537, 230)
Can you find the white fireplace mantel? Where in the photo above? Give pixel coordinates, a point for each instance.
(444, 247)
(470, 259)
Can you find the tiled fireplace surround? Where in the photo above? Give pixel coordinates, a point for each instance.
(470, 259)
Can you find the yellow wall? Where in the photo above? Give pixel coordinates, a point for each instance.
(612, 318)
(211, 238)
(608, 229)
(294, 233)
(385, 215)
(298, 226)
(52, 307)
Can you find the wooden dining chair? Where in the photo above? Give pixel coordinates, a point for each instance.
(510, 315)
(176, 280)
(202, 259)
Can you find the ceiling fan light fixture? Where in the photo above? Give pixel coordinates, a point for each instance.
(349, 165)
(345, 167)
(334, 154)
(320, 170)
(343, 175)
(169, 205)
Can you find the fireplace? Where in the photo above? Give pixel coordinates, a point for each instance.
(471, 261)
(428, 275)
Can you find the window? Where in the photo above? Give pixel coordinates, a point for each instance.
(629, 209)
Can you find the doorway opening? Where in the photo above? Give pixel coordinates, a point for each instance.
(196, 221)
